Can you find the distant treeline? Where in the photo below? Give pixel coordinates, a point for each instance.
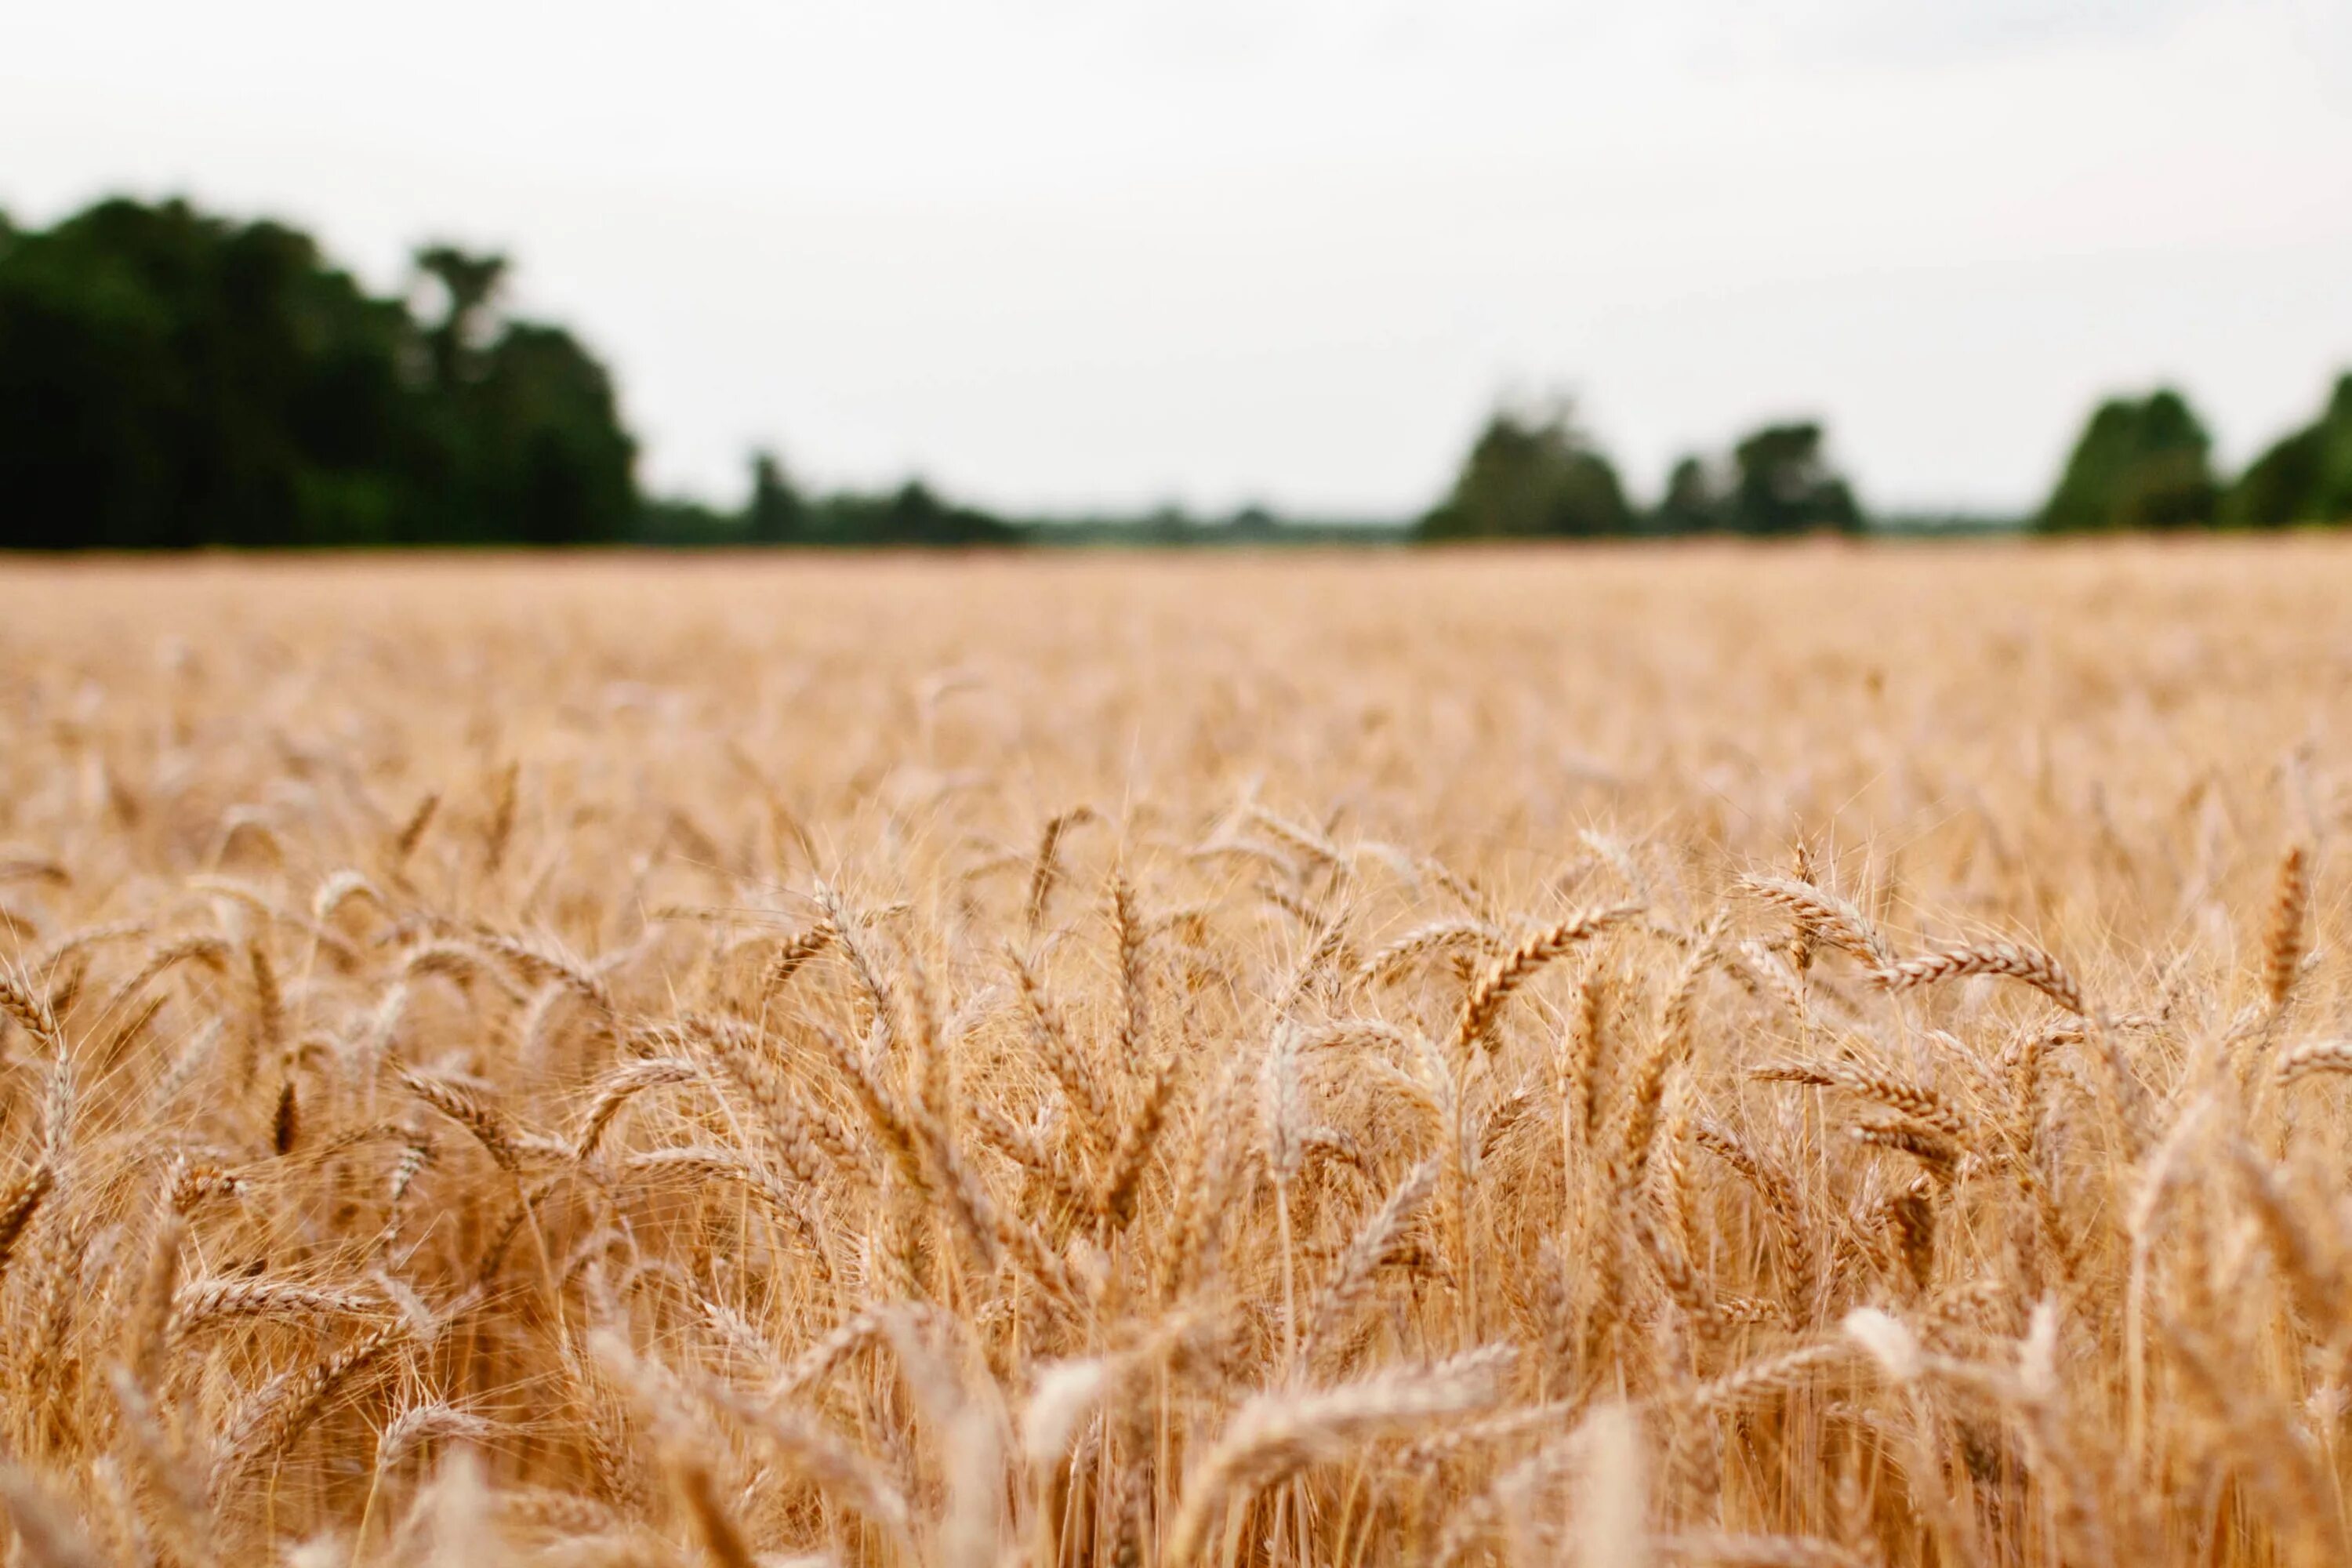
(171, 378)
(778, 513)
(2146, 462)
(2140, 463)
(1536, 472)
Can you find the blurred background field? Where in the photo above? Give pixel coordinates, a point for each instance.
(1747, 687)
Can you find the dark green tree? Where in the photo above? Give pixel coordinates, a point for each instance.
(546, 458)
(1532, 473)
(1256, 521)
(1694, 502)
(776, 514)
(2140, 463)
(2280, 487)
(914, 513)
(2305, 477)
(2334, 501)
(470, 285)
(524, 441)
(1783, 483)
(169, 378)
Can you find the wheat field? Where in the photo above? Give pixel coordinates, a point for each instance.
(1805, 1056)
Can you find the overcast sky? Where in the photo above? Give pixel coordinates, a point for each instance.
(1069, 252)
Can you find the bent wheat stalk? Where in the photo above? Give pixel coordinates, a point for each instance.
(1483, 1005)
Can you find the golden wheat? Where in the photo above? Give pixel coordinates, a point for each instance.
(1804, 1056)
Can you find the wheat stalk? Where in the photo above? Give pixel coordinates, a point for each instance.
(1483, 1005)
(1275, 1433)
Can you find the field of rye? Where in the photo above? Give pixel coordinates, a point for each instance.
(1793, 1057)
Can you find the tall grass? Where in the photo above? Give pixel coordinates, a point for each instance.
(1751, 1058)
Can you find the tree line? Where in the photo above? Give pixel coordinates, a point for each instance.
(1535, 472)
(2140, 463)
(2146, 463)
(171, 378)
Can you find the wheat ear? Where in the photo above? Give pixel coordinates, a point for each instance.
(1483, 1005)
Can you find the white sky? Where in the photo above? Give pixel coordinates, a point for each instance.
(1071, 252)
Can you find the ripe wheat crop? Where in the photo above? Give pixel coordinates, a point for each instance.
(1803, 1057)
